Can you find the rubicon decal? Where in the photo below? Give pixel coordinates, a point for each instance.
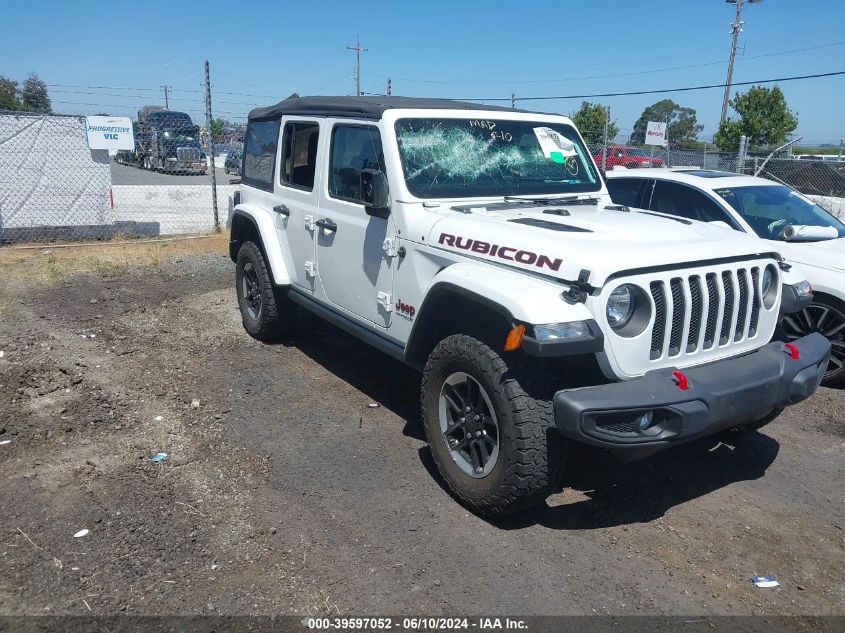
(508, 253)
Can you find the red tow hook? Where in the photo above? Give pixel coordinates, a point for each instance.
(681, 380)
(793, 350)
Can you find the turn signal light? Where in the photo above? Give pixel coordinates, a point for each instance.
(514, 340)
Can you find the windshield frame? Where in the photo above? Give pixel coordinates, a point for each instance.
(819, 211)
(393, 123)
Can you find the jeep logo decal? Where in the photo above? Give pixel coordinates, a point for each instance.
(502, 252)
(405, 310)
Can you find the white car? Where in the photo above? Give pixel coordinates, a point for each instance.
(805, 233)
(479, 245)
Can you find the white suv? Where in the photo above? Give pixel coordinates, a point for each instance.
(479, 245)
(803, 232)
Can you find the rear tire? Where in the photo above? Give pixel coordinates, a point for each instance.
(525, 453)
(267, 313)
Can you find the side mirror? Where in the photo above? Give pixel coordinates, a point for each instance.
(375, 193)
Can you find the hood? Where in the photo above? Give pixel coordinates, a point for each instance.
(602, 240)
(824, 254)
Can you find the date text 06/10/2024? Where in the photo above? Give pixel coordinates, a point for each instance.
(414, 624)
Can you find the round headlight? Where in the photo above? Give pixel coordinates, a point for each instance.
(620, 306)
(768, 277)
(770, 288)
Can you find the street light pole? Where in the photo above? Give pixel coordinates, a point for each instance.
(736, 29)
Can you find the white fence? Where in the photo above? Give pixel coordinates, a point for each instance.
(171, 208)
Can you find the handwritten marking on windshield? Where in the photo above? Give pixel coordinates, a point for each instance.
(486, 125)
(501, 136)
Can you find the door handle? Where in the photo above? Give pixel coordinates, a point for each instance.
(282, 210)
(326, 223)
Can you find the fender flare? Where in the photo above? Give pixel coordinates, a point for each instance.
(514, 296)
(523, 297)
(265, 231)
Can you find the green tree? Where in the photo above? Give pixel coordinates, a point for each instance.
(219, 126)
(9, 99)
(590, 119)
(34, 95)
(763, 117)
(683, 126)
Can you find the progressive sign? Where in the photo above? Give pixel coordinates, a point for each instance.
(109, 132)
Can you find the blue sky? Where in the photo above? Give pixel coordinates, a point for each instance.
(262, 51)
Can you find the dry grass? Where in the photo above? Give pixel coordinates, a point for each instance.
(51, 263)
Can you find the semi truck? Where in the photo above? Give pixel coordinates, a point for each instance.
(165, 140)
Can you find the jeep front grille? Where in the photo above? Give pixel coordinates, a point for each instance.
(689, 315)
(729, 296)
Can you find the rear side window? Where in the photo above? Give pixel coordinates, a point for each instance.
(353, 149)
(260, 154)
(675, 199)
(299, 155)
(626, 190)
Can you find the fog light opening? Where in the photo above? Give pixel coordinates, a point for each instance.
(645, 421)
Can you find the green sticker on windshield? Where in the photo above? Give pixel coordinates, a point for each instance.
(557, 157)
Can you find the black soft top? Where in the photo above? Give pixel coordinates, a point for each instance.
(362, 107)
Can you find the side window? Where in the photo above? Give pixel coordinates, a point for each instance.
(625, 190)
(299, 155)
(260, 154)
(674, 199)
(353, 149)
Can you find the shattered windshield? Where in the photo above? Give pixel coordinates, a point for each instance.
(464, 158)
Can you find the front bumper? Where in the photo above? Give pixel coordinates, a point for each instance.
(719, 396)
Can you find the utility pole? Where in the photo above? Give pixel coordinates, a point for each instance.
(604, 149)
(736, 29)
(166, 104)
(389, 87)
(210, 154)
(358, 50)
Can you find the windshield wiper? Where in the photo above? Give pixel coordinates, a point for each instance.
(559, 200)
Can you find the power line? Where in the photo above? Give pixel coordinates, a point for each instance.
(238, 94)
(649, 92)
(129, 107)
(612, 75)
(145, 97)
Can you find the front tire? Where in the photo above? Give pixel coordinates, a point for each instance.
(490, 428)
(267, 314)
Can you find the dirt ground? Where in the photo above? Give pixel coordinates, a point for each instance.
(283, 492)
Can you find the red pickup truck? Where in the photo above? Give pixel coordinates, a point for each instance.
(630, 157)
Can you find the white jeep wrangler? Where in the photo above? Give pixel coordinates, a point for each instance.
(479, 245)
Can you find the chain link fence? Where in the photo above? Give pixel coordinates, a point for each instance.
(53, 187)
